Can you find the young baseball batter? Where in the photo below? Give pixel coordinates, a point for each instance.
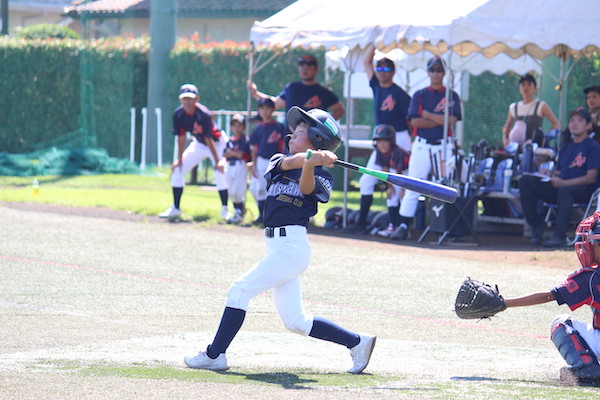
(578, 342)
(237, 154)
(296, 184)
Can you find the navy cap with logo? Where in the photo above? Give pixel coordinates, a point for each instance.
(266, 102)
(435, 61)
(595, 88)
(188, 90)
(583, 113)
(308, 59)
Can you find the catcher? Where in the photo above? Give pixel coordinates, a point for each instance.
(577, 342)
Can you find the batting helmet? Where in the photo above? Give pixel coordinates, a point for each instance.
(385, 132)
(323, 131)
(589, 231)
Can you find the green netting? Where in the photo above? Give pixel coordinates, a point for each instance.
(54, 161)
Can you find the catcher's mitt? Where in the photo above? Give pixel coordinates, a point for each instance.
(476, 300)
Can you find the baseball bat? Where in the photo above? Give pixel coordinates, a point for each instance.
(437, 191)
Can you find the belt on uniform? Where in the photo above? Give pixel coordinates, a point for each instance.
(430, 141)
(272, 232)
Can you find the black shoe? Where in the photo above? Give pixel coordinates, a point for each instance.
(258, 221)
(537, 235)
(586, 375)
(401, 233)
(555, 242)
(357, 229)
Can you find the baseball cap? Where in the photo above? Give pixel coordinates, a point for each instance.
(188, 90)
(529, 78)
(585, 114)
(386, 62)
(308, 59)
(239, 118)
(266, 102)
(595, 88)
(435, 61)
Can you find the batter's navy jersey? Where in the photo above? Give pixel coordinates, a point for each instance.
(307, 96)
(200, 123)
(239, 144)
(268, 139)
(580, 288)
(395, 160)
(391, 105)
(576, 159)
(433, 101)
(285, 204)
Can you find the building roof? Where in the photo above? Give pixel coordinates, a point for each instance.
(185, 8)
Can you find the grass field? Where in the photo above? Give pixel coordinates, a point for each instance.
(106, 308)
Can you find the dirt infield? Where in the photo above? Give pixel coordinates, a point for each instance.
(102, 304)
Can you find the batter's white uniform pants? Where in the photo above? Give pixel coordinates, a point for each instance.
(403, 140)
(258, 183)
(419, 166)
(367, 183)
(286, 258)
(236, 181)
(193, 155)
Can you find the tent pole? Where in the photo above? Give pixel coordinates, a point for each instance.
(349, 117)
(248, 95)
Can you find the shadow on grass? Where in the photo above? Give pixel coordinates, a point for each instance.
(283, 379)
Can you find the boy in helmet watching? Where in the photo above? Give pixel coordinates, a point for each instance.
(388, 157)
(578, 342)
(296, 184)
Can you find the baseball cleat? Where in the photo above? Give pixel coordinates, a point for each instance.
(170, 213)
(237, 218)
(401, 233)
(224, 213)
(387, 232)
(203, 361)
(361, 353)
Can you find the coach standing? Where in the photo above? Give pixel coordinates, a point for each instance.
(426, 115)
(305, 93)
(390, 100)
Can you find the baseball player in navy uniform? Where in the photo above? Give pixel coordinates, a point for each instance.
(578, 342)
(265, 141)
(208, 142)
(426, 114)
(390, 100)
(306, 93)
(388, 157)
(237, 154)
(297, 183)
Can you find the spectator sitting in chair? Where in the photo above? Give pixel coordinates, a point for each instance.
(574, 180)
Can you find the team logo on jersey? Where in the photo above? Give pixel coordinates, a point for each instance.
(578, 161)
(571, 286)
(440, 106)
(388, 104)
(274, 137)
(313, 102)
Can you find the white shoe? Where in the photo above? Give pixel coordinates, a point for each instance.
(203, 361)
(236, 218)
(224, 213)
(361, 353)
(171, 213)
(387, 232)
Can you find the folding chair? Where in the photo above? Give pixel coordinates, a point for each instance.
(589, 208)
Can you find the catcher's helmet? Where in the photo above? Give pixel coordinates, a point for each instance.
(386, 132)
(588, 230)
(323, 131)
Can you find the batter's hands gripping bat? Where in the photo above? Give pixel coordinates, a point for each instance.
(430, 189)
